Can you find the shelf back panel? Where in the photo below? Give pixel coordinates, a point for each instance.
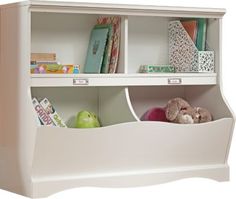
(148, 41)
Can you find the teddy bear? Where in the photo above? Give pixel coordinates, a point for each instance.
(180, 111)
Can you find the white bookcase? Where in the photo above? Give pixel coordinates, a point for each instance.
(39, 161)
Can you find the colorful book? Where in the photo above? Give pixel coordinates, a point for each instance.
(107, 53)
(191, 28)
(43, 56)
(52, 113)
(201, 34)
(42, 114)
(115, 21)
(54, 69)
(96, 49)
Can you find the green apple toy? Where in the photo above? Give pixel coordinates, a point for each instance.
(86, 119)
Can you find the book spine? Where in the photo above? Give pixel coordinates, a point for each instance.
(106, 60)
(43, 116)
(52, 113)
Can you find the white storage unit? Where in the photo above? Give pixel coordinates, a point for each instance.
(39, 161)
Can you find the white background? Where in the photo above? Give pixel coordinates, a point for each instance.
(186, 188)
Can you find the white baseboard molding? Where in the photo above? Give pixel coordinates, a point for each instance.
(45, 186)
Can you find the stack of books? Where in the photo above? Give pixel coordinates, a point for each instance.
(47, 63)
(196, 29)
(46, 113)
(103, 49)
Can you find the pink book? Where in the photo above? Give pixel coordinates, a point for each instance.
(115, 21)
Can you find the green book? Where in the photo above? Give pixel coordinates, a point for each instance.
(156, 69)
(107, 53)
(96, 49)
(201, 34)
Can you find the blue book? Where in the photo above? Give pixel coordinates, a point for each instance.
(96, 49)
(108, 49)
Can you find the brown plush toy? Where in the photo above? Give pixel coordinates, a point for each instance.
(201, 115)
(179, 111)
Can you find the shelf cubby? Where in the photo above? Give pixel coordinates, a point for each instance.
(67, 35)
(148, 40)
(111, 105)
(198, 96)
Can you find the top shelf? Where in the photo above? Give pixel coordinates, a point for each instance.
(57, 80)
(123, 9)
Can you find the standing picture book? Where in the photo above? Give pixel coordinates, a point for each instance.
(115, 21)
(52, 113)
(107, 53)
(96, 49)
(42, 114)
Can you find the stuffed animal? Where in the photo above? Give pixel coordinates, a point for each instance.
(201, 115)
(179, 111)
(86, 119)
(154, 114)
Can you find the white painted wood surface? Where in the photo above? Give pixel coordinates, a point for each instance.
(44, 187)
(119, 9)
(128, 148)
(54, 80)
(18, 127)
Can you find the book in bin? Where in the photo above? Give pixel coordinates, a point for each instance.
(44, 118)
(191, 28)
(196, 29)
(50, 110)
(96, 49)
(201, 36)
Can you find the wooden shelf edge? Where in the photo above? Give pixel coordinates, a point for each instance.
(57, 80)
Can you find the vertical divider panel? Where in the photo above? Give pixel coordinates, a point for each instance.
(123, 57)
(130, 105)
(214, 43)
(114, 106)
